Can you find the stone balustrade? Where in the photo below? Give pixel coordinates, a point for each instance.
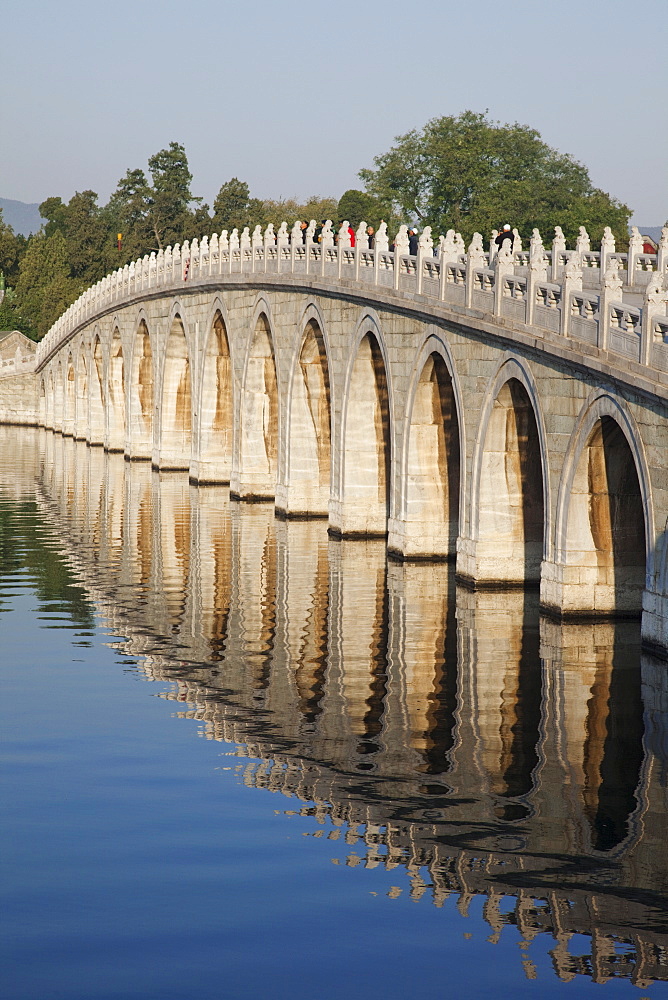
(621, 308)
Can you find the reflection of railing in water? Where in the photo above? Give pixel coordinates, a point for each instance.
(517, 894)
(503, 755)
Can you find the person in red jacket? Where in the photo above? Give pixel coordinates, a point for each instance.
(351, 233)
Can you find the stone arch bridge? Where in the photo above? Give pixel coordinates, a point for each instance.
(507, 411)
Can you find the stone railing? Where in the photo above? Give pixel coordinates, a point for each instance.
(613, 301)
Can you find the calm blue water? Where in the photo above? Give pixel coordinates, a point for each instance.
(243, 760)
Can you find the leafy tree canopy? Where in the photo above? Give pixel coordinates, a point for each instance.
(12, 247)
(45, 286)
(470, 174)
(170, 197)
(467, 173)
(359, 206)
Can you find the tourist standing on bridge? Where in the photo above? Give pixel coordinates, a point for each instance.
(371, 233)
(413, 241)
(505, 234)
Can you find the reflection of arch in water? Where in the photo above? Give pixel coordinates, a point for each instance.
(216, 421)
(172, 552)
(509, 484)
(176, 405)
(303, 594)
(360, 619)
(501, 694)
(212, 573)
(604, 515)
(423, 653)
(140, 436)
(308, 445)
(255, 582)
(362, 507)
(593, 734)
(426, 521)
(259, 417)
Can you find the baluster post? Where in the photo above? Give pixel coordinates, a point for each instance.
(380, 245)
(401, 245)
(611, 291)
(571, 282)
(537, 272)
(425, 250)
(635, 249)
(654, 304)
(558, 247)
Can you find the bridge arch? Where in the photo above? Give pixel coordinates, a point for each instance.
(43, 401)
(116, 421)
(175, 405)
(69, 395)
(307, 473)
(215, 420)
(97, 401)
(259, 416)
(59, 403)
(604, 518)
(141, 390)
(510, 489)
(428, 482)
(365, 446)
(82, 415)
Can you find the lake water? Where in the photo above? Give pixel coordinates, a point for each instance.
(244, 759)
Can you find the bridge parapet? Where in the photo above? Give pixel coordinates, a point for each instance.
(579, 300)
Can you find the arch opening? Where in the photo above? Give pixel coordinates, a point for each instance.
(141, 396)
(176, 424)
(309, 453)
(116, 395)
(511, 504)
(259, 419)
(70, 391)
(365, 497)
(81, 411)
(432, 486)
(216, 416)
(59, 398)
(97, 397)
(605, 538)
(42, 403)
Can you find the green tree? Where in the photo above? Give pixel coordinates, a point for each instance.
(472, 174)
(170, 197)
(86, 233)
(45, 287)
(12, 248)
(234, 208)
(127, 213)
(11, 317)
(230, 207)
(54, 211)
(359, 206)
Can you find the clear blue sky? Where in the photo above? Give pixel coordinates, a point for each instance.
(296, 97)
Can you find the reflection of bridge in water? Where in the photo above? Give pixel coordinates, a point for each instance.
(485, 750)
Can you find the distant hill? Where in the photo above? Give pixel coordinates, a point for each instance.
(22, 217)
